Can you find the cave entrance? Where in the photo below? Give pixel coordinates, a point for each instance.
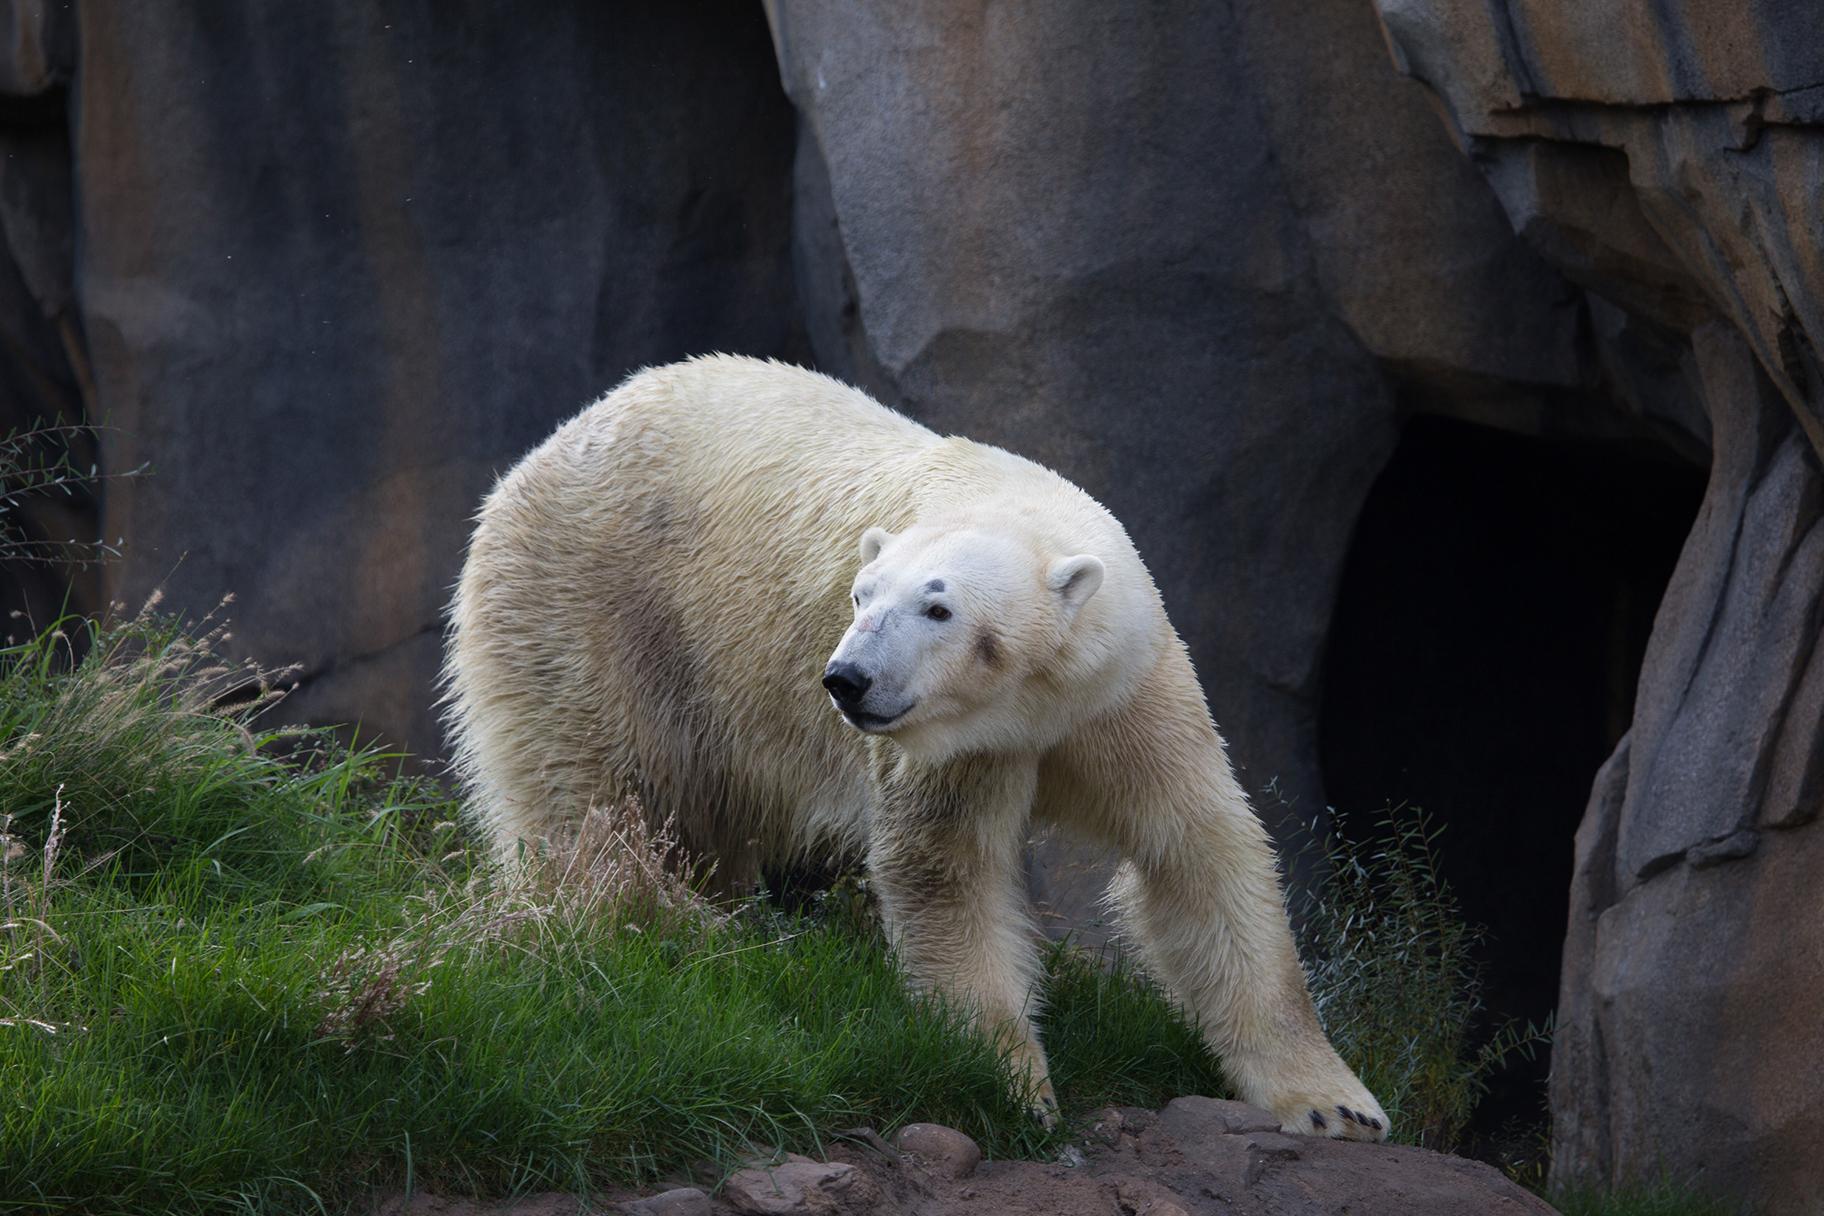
(1482, 662)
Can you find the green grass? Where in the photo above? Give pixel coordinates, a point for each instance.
(242, 981)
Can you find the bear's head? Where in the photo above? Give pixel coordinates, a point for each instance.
(958, 638)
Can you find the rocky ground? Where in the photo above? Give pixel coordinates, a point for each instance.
(1197, 1157)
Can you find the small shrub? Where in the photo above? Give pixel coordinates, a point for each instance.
(1392, 967)
(152, 742)
(46, 461)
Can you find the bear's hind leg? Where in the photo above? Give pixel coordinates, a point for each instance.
(945, 858)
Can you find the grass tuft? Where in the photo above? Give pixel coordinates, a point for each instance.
(1392, 967)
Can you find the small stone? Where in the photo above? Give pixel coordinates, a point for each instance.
(1135, 1119)
(680, 1201)
(799, 1187)
(942, 1150)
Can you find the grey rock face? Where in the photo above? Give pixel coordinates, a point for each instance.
(362, 264)
(1671, 159)
(335, 267)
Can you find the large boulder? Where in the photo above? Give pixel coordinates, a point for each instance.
(1671, 159)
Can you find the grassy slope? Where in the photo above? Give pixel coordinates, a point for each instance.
(255, 982)
(231, 982)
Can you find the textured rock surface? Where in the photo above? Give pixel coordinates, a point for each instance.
(679, 1201)
(335, 266)
(801, 1185)
(939, 1149)
(1198, 1157)
(1671, 158)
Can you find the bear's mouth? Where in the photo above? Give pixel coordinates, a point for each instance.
(873, 722)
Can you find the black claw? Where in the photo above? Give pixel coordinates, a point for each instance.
(1374, 1123)
(1317, 1120)
(1346, 1113)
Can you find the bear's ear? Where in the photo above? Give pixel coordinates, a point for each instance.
(872, 542)
(1075, 578)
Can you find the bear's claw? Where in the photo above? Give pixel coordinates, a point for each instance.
(1357, 1121)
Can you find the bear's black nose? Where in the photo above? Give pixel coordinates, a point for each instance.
(846, 683)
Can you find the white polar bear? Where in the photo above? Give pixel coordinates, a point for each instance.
(655, 598)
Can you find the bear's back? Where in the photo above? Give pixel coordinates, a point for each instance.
(653, 592)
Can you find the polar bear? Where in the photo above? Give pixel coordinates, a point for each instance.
(667, 595)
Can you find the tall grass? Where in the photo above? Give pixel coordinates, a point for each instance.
(1393, 970)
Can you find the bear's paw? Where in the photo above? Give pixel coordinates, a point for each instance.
(1352, 1115)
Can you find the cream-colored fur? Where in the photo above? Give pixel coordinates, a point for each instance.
(651, 598)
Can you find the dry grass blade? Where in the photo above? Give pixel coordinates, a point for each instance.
(26, 934)
(617, 873)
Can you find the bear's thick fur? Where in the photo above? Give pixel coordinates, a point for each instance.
(657, 595)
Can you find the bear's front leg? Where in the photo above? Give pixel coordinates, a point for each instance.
(944, 855)
(1200, 895)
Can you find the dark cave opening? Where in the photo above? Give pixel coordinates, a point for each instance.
(1482, 662)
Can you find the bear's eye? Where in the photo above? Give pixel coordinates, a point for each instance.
(857, 598)
(938, 612)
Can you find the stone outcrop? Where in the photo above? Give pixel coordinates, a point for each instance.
(1670, 158)
(1197, 1157)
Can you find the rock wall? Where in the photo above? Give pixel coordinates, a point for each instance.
(326, 269)
(1670, 158)
(361, 260)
